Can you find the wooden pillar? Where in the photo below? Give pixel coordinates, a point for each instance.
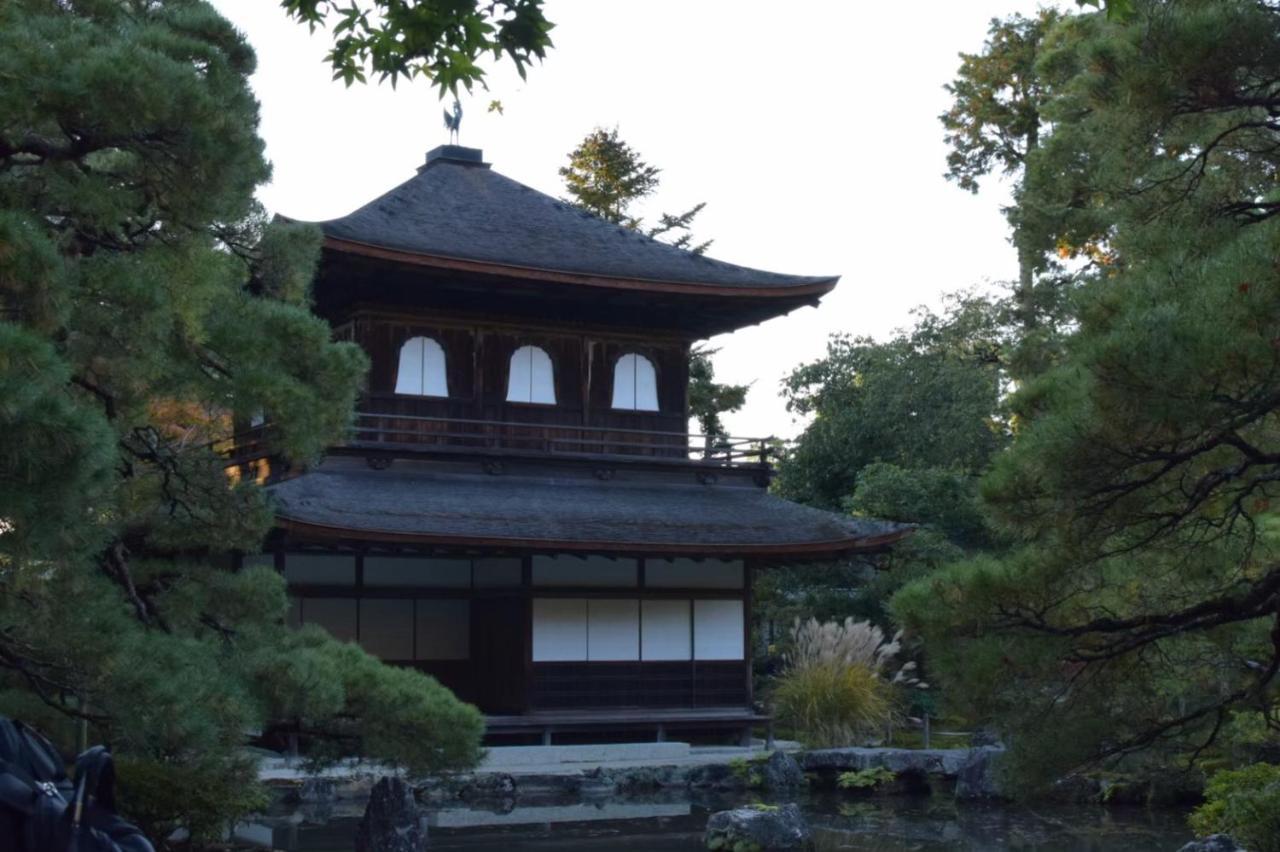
(526, 594)
(748, 568)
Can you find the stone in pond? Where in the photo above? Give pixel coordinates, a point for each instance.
(392, 821)
(781, 772)
(979, 776)
(1212, 843)
(759, 828)
(312, 791)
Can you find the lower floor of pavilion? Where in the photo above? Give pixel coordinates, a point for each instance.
(556, 595)
(547, 645)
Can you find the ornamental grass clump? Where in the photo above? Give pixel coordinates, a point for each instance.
(835, 689)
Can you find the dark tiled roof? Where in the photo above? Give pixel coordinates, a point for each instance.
(413, 500)
(458, 209)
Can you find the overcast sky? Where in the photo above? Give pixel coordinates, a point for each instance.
(809, 128)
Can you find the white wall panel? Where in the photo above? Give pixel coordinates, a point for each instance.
(635, 384)
(320, 569)
(497, 572)
(613, 630)
(421, 370)
(665, 631)
(259, 560)
(717, 630)
(559, 630)
(585, 571)
(444, 630)
(409, 571)
(646, 385)
(386, 627)
(693, 574)
(337, 615)
(409, 370)
(624, 383)
(531, 376)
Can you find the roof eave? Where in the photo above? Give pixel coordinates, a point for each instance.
(815, 290)
(810, 550)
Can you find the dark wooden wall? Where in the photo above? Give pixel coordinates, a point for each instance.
(477, 356)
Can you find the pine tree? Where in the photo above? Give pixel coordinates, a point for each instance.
(606, 176)
(1140, 611)
(147, 306)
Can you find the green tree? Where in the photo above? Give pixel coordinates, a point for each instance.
(929, 398)
(1139, 613)
(441, 40)
(146, 306)
(996, 123)
(606, 176)
(708, 399)
(899, 430)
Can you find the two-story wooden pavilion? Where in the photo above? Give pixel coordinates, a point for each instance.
(521, 512)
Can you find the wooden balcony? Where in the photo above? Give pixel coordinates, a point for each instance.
(389, 431)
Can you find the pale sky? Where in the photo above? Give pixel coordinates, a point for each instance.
(809, 128)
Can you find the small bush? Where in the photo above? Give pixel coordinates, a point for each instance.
(214, 795)
(1244, 803)
(865, 779)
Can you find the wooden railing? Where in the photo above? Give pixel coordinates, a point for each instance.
(414, 432)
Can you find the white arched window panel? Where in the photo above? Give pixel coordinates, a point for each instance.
(531, 378)
(635, 384)
(421, 371)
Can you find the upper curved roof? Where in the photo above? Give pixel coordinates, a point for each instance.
(457, 210)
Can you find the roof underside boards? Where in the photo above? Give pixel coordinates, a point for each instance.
(464, 211)
(347, 283)
(414, 503)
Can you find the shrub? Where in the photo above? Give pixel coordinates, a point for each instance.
(1244, 803)
(214, 795)
(865, 779)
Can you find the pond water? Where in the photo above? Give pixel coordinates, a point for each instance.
(839, 822)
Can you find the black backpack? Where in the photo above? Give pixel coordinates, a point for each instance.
(42, 810)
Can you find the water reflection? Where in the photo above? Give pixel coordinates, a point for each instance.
(675, 822)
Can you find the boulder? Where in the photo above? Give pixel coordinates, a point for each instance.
(926, 761)
(1212, 843)
(716, 776)
(984, 737)
(781, 772)
(487, 787)
(979, 776)
(313, 790)
(758, 828)
(392, 821)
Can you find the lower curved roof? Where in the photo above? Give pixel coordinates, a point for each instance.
(412, 502)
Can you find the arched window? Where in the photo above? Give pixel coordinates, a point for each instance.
(635, 384)
(421, 370)
(531, 378)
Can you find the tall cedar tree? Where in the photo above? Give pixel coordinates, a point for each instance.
(1140, 613)
(145, 307)
(606, 176)
(995, 124)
